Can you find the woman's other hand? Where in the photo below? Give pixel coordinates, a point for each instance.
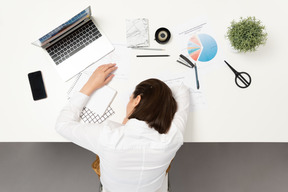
(100, 77)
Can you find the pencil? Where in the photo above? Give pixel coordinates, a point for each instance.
(152, 55)
(144, 48)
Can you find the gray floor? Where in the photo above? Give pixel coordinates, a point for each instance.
(198, 167)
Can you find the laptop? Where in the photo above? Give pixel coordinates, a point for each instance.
(75, 44)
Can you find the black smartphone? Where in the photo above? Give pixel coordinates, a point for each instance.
(37, 85)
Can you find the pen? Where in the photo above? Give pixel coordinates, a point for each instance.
(197, 80)
(152, 55)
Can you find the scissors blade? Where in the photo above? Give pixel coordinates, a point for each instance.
(187, 60)
(236, 72)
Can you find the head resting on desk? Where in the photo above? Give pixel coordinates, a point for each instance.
(152, 101)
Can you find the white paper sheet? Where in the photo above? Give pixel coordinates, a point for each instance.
(197, 98)
(120, 56)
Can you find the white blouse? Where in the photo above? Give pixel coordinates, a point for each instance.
(133, 157)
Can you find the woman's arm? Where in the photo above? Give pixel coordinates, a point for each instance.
(100, 77)
(182, 97)
(68, 123)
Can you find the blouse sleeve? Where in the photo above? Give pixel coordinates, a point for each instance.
(68, 124)
(181, 95)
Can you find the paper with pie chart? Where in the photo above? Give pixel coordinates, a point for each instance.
(202, 47)
(198, 42)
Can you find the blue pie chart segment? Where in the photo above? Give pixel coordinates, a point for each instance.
(209, 47)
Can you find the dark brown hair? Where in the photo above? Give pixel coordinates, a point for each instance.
(157, 106)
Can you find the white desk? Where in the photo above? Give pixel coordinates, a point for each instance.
(256, 114)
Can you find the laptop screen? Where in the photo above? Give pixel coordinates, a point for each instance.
(64, 27)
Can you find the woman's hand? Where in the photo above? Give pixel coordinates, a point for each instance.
(100, 77)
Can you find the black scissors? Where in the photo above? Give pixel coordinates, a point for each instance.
(185, 61)
(242, 79)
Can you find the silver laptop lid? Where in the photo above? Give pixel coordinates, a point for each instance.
(41, 42)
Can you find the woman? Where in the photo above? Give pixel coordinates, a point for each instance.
(133, 155)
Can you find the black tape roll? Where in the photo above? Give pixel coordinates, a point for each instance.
(162, 35)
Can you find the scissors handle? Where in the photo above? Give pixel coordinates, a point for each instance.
(242, 79)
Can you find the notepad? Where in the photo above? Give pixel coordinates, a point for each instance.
(100, 100)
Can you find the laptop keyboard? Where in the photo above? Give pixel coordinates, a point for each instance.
(74, 42)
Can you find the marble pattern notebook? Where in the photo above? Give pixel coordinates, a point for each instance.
(137, 32)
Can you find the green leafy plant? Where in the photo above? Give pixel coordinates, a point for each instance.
(247, 34)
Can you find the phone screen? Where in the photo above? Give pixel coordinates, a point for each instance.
(37, 85)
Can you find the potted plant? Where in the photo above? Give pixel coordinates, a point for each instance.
(247, 34)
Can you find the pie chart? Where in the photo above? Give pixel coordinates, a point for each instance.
(202, 47)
